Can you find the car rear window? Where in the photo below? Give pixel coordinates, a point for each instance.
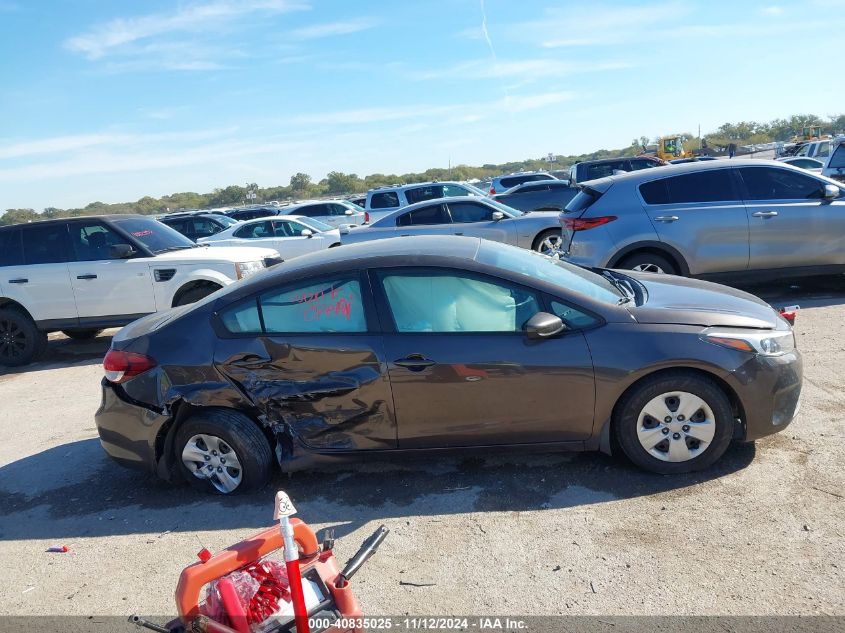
(384, 200)
(715, 185)
(837, 161)
(582, 201)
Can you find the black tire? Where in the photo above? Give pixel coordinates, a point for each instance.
(538, 241)
(628, 409)
(82, 335)
(251, 448)
(194, 294)
(648, 259)
(21, 342)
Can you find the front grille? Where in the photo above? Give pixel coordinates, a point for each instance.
(164, 274)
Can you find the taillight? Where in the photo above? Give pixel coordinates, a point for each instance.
(121, 366)
(582, 224)
(366, 217)
(492, 191)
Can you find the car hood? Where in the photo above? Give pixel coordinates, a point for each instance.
(684, 301)
(218, 254)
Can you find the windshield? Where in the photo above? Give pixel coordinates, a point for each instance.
(355, 207)
(225, 220)
(514, 213)
(316, 225)
(537, 266)
(153, 234)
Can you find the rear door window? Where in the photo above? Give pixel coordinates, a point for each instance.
(714, 185)
(837, 161)
(769, 183)
(420, 194)
(434, 214)
(384, 200)
(11, 252)
(47, 244)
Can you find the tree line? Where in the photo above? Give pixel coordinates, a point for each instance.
(339, 184)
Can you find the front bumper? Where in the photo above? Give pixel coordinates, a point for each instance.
(128, 432)
(770, 391)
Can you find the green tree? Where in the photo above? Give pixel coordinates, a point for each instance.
(338, 183)
(17, 216)
(299, 182)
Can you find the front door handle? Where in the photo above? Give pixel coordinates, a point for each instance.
(22, 280)
(666, 218)
(764, 214)
(86, 276)
(414, 362)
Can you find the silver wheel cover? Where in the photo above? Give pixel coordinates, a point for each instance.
(209, 457)
(676, 426)
(648, 268)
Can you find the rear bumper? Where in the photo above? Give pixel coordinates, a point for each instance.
(770, 391)
(128, 432)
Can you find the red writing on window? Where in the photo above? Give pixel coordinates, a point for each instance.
(325, 303)
(142, 233)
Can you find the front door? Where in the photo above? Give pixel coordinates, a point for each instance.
(476, 220)
(792, 224)
(463, 372)
(701, 215)
(104, 286)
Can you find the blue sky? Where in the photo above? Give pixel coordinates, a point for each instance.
(111, 101)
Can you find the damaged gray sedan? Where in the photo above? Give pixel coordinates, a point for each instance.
(403, 345)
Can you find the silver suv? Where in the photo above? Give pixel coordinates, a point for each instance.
(744, 217)
(500, 184)
(337, 213)
(385, 200)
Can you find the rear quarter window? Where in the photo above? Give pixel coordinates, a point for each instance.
(384, 200)
(715, 185)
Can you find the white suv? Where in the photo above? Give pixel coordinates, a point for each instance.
(80, 275)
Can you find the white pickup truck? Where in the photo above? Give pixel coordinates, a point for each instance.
(80, 275)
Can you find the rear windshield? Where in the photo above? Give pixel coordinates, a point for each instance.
(582, 200)
(153, 234)
(837, 161)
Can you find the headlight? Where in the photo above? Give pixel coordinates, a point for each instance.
(763, 342)
(246, 269)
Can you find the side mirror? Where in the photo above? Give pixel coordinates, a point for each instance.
(121, 251)
(498, 215)
(543, 325)
(831, 192)
(349, 212)
(307, 233)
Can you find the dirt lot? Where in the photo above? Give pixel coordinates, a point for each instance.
(537, 534)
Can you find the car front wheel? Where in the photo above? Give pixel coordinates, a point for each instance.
(674, 423)
(223, 452)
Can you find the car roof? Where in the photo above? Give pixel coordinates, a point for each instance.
(415, 184)
(111, 216)
(446, 200)
(535, 183)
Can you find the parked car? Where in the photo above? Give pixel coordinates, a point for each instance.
(251, 213)
(359, 200)
(478, 217)
(337, 213)
(385, 200)
(810, 164)
(542, 195)
(592, 169)
(444, 342)
(814, 149)
(693, 159)
(197, 225)
(742, 217)
(289, 235)
(80, 275)
(500, 184)
(834, 166)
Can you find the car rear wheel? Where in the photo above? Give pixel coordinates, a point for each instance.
(223, 452)
(82, 335)
(21, 342)
(674, 423)
(648, 263)
(549, 243)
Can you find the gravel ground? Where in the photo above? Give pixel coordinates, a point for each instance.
(761, 534)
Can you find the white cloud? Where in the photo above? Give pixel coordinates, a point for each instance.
(330, 29)
(526, 70)
(773, 10)
(115, 36)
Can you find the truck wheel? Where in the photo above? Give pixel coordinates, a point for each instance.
(194, 294)
(82, 335)
(21, 342)
(223, 452)
(648, 262)
(673, 423)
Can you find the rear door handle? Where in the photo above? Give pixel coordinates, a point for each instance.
(19, 281)
(666, 218)
(86, 276)
(414, 362)
(764, 214)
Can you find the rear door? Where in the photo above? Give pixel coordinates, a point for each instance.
(476, 220)
(35, 273)
(104, 286)
(463, 372)
(792, 224)
(701, 214)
